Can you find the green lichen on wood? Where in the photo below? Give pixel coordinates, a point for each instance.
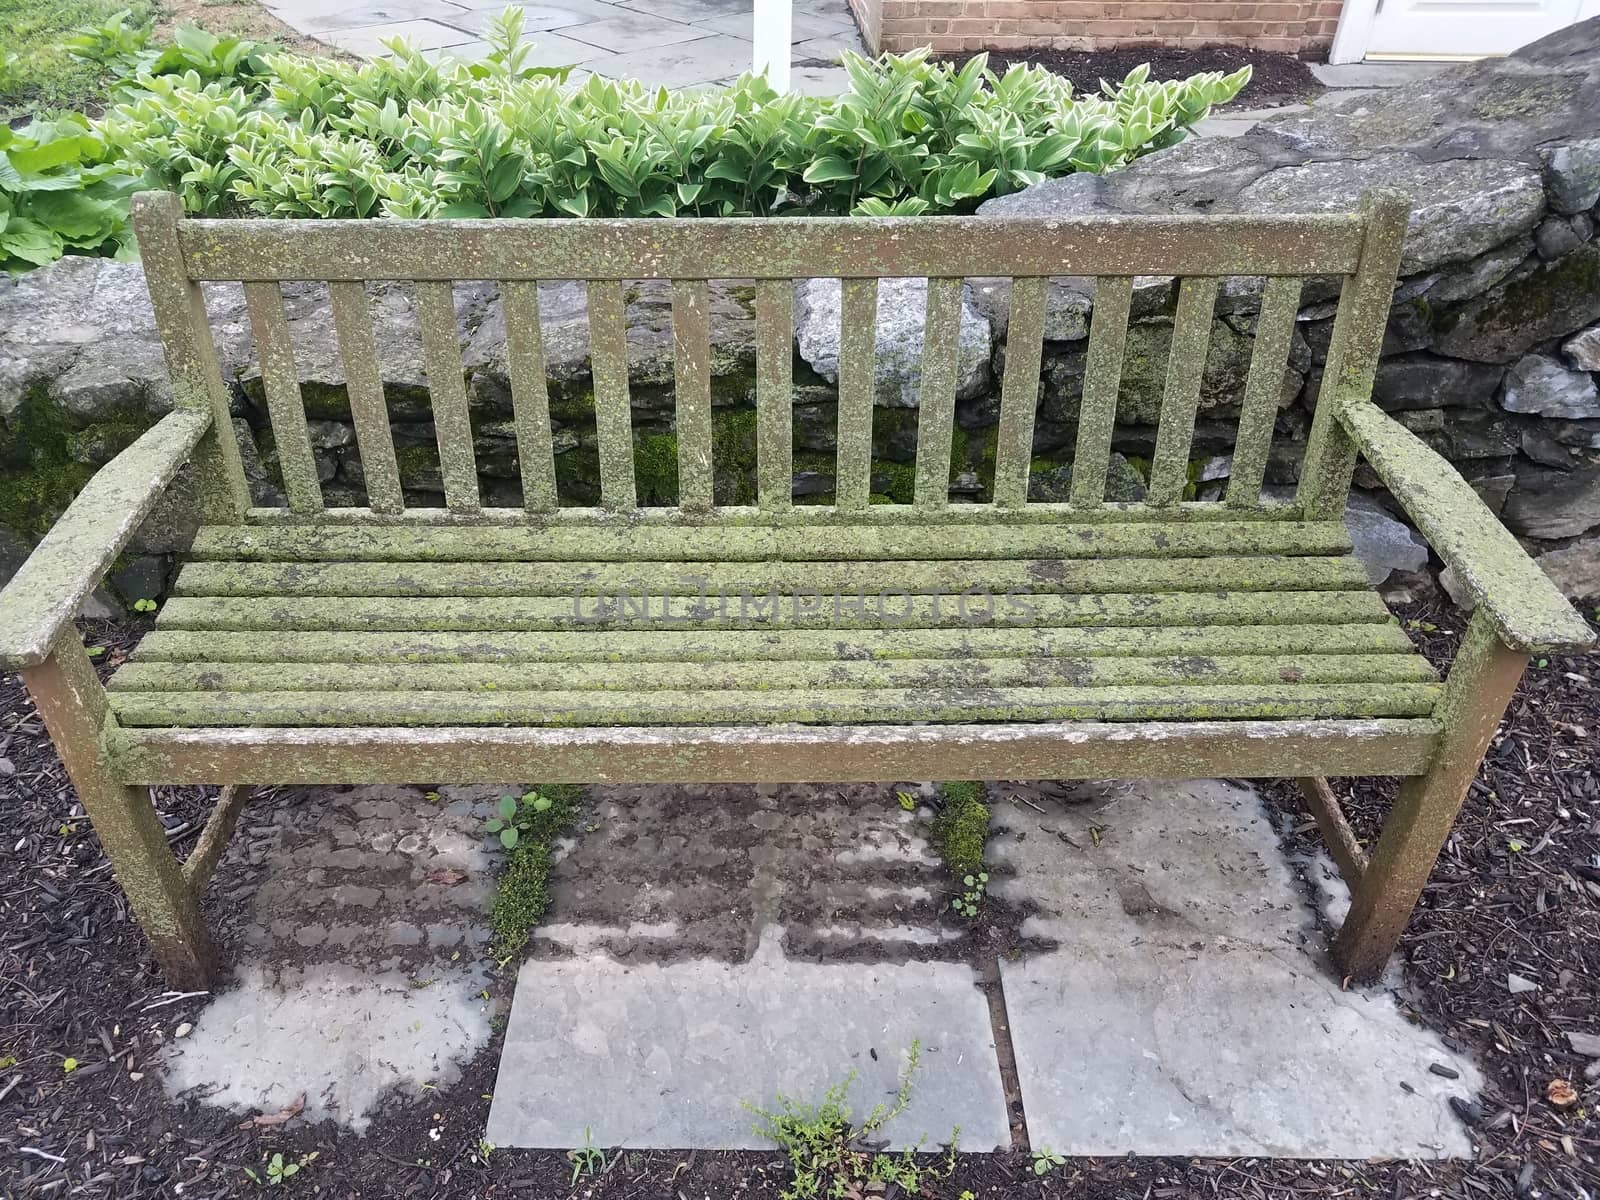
(1529, 611)
(961, 829)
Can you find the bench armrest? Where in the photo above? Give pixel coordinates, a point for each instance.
(46, 593)
(1528, 611)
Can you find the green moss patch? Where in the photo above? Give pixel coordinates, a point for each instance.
(961, 830)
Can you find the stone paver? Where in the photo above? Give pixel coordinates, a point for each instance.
(673, 43)
(669, 1055)
(716, 945)
(363, 920)
(1189, 1008)
(1375, 74)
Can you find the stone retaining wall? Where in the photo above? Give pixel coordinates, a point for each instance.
(1491, 356)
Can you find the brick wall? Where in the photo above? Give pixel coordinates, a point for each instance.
(1303, 27)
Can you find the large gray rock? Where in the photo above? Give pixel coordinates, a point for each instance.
(1068, 196)
(1572, 174)
(1462, 281)
(1123, 483)
(1384, 543)
(1550, 300)
(1545, 387)
(1460, 207)
(897, 374)
(1574, 568)
(1549, 503)
(82, 331)
(396, 335)
(1583, 351)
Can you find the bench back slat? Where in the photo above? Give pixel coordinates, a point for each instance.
(774, 393)
(441, 356)
(1019, 391)
(763, 248)
(613, 412)
(530, 395)
(1097, 411)
(1180, 399)
(691, 373)
(936, 398)
(352, 325)
(610, 257)
(1280, 303)
(858, 344)
(280, 380)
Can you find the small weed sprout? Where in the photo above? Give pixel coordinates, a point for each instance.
(526, 827)
(907, 801)
(970, 902)
(485, 1149)
(280, 1170)
(1046, 1160)
(829, 1157)
(587, 1159)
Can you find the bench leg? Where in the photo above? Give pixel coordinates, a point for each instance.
(1476, 693)
(69, 697)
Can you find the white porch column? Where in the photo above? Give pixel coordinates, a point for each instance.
(773, 21)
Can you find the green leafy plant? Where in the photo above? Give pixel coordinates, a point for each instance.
(61, 192)
(279, 1170)
(907, 801)
(828, 1156)
(587, 1159)
(538, 813)
(523, 891)
(145, 605)
(969, 903)
(1046, 1160)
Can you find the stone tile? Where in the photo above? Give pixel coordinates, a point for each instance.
(316, 16)
(690, 12)
(686, 63)
(536, 18)
(633, 32)
(557, 50)
(825, 49)
(803, 26)
(1191, 975)
(819, 81)
(668, 1053)
(368, 40)
(467, 52)
(1375, 74)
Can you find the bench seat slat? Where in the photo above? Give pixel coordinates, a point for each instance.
(1235, 572)
(632, 541)
(500, 613)
(743, 707)
(690, 646)
(776, 674)
(803, 753)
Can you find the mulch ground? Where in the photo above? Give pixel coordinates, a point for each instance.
(1517, 892)
(1274, 78)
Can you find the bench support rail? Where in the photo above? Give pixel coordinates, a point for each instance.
(72, 703)
(1476, 693)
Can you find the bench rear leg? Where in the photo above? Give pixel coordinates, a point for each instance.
(69, 697)
(1479, 686)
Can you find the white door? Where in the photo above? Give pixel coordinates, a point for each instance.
(1451, 28)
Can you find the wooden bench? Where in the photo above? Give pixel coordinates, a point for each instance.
(1167, 638)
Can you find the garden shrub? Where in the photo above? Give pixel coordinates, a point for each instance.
(235, 130)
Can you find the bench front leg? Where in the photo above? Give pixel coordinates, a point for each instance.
(1476, 692)
(72, 702)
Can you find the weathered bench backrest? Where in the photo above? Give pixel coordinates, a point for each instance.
(1199, 251)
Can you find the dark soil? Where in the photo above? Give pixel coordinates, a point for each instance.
(1517, 890)
(1274, 79)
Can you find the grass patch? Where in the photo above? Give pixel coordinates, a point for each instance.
(36, 73)
(961, 829)
(523, 892)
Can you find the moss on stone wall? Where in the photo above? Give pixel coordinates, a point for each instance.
(38, 474)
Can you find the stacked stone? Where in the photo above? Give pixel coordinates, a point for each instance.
(1492, 353)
